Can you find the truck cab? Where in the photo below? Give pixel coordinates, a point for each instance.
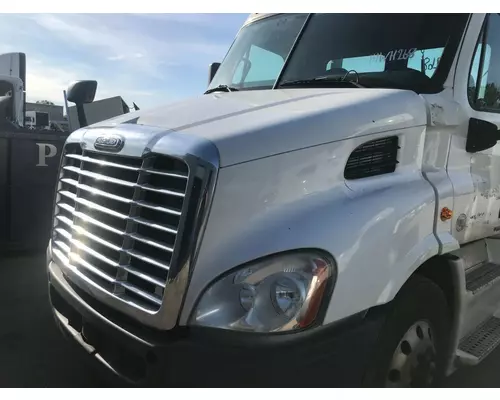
(37, 120)
(326, 214)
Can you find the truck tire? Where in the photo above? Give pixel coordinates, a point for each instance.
(412, 346)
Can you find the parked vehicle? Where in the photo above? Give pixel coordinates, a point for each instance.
(30, 154)
(326, 214)
(37, 120)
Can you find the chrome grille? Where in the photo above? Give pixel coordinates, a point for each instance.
(117, 220)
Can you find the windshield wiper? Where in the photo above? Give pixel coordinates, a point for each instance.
(329, 79)
(221, 88)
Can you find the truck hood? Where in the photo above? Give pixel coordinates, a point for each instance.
(248, 125)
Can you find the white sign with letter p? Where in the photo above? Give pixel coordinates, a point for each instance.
(43, 154)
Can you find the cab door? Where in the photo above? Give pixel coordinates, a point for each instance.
(476, 176)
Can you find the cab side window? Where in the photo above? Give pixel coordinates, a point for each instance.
(484, 78)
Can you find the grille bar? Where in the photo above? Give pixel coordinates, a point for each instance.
(94, 253)
(99, 176)
(144, 239)
(150, 279)
(85, 218)
(95, 222)
(137, 272)
(111, 212)
(65, 207)
(160, 227)
(141, 293)
(162, 191)
(68, 194)
(94, 270)
(59, 253)
(102, 162)
(158, 208)
(64, 220)
(128, 167)
(95, 191)
(97, 207)
(118, 219)
(145, 258)
(169, 174)
(95, 238)
(64, 233)
(63, 246)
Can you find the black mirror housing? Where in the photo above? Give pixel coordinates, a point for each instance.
(212, 70)
(481, 135)
(82, 92)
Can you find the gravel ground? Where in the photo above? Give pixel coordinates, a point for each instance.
(33, 353)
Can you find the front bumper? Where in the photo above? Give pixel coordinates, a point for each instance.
(330, 356)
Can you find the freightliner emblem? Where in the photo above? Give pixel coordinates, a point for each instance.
(109, 143)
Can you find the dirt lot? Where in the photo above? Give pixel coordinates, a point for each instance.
(33, 354)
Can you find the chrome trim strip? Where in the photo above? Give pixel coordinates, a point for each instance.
(99, 177)
(115, 181)
(166, 210)
(80, 246)
(146, 240)
(202, 158)
(160, 227)
(161, 173)
(150, 260)
(102, 162)
(142, 275)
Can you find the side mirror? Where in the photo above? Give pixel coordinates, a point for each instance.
(481, 135)
(80, 93)
(212, 70)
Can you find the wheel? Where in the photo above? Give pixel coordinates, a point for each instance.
(412, 346)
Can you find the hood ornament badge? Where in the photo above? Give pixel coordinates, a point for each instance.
(109, 143)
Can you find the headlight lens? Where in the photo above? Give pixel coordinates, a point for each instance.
(281, 293)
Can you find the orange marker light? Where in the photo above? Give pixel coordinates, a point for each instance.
(446, 214)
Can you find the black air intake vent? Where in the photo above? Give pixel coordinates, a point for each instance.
(376, 157)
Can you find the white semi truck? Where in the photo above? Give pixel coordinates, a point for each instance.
(326, 214)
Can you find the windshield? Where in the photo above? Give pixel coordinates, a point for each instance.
(258, 53)
(408, 51)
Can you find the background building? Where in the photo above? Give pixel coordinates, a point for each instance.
(55, 112)
(97, 111)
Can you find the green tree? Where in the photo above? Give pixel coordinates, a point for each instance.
(47, 102)
(491, 95)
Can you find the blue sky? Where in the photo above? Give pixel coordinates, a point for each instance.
(146, 58)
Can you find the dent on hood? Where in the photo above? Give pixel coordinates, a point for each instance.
(443, 110)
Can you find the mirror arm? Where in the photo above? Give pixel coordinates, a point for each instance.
(82, 118)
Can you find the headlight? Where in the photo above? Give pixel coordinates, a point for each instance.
(280, 293)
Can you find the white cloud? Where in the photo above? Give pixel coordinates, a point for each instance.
(193, 19)
(46, 82)
(116, 58)
(121, 56)
(145, 53)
